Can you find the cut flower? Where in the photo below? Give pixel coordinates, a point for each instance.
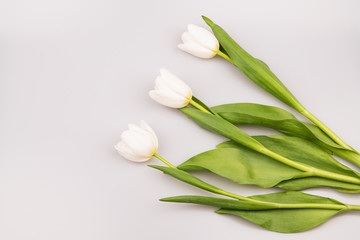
(170, 91)
(138, 144)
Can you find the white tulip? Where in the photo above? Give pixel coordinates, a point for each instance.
(138, 144)
(170, 91)
(199, 42)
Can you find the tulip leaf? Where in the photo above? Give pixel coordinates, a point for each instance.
(244, 166)
(198, 101)
(253, 68)
(306, 152)
(222, 202)
(312, 182)
(272, 117)
(285, 212)
(284, 122)
(285, 220)
(186, 177)
(219, 125)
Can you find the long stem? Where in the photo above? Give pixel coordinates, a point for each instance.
(324, 128)
(221, 54)
(233, 195)
(354, 207)
(319, 206)
(310, 170)
(163, 160)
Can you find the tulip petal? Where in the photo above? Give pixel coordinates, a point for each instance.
(197, 51)
(168, 99)
(143, 131)
(175, 83)
(146, 130)
(187, 38)
(193, 46)
(146, 127)
(124, 151)
(139, 143)
(161, 85)
(204, 37)
(167, 93)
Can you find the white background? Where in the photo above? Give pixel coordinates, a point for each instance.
(74, 73)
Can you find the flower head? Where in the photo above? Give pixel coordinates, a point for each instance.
(170, 91)
(138, 144)
(199, 42)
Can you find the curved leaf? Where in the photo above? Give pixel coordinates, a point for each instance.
(288, 220)
(285, 220)
(222, 202)
(311, 182)
(284, 122)
(242, 166)
(245, 166)
(306, 152)
(272, 117)
(219, 125)
(285, 212)
(186, 177)
(255, 69)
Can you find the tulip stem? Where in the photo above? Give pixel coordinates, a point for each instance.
(325, 129)
(163, 160)
(221, 54)
(198, 106)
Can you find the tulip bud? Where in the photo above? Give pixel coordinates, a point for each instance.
(138, 144)
(199, 42)
(170, 91)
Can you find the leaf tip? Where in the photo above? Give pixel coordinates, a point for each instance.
(220, 211)
(167, 199)
(155, 166)
(208, 21)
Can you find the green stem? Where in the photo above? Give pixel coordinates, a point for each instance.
(198, 106)
(163, 160)
(311, 171)
(354, 207)
(221, 54)
(292, 205)
(324, 128)
(318, 206)
(233, 195)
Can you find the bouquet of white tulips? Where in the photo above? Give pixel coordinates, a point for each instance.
(300, 159)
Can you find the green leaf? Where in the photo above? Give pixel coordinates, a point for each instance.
(272, 117)
(285, 212)
(312, 182)
(284, 122)
(186, 177)
(306, 152)
(255, 69)
(198, 101)
(222, 202)
(288, 220)
(285, 220)
(219, 125)
(242, 166)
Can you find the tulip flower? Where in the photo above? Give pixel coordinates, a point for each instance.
(170, 91)
(138, 144)
(199, 42)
